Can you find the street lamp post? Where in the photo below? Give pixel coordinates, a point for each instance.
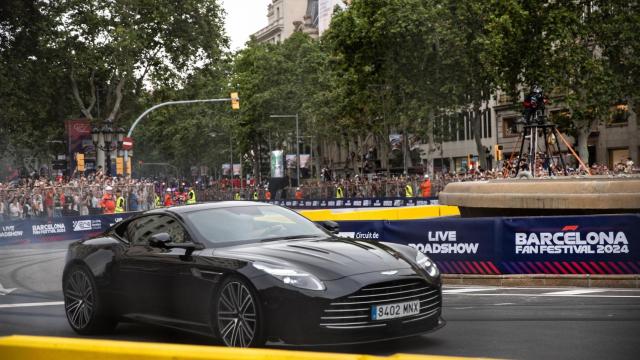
(107, 132)
(297, 142)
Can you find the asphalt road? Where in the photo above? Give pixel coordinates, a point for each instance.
(516, 323)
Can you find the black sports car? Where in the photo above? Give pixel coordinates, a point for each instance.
(248, 273)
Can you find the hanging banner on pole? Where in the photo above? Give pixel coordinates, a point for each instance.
(277, 164)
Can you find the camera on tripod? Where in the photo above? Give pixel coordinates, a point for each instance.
(534, 103)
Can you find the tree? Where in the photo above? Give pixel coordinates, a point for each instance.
(31, 98)
(385, 54)
(117, 48)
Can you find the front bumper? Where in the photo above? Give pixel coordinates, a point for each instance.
(301, 317)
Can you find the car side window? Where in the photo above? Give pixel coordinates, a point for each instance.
(140, 230)
(173, 228)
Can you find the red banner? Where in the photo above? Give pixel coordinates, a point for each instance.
(78, 132)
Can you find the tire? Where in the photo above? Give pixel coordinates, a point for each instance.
(238, 323)
(85, 310)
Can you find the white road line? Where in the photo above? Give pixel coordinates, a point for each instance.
(466, 290)
(4, 291)
(32, 304)
(575, 292)
(546, 295)
(446, 287)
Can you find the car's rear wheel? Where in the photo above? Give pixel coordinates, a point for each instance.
(84, 309)
(237, 314)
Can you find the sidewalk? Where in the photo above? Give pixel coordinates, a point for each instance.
(586, 280)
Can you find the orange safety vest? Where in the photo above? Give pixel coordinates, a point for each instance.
(426, 188)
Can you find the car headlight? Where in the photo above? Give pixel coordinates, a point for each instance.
(292, 277)
(427, 264)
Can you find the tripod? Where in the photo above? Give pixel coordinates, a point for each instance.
(527, 161)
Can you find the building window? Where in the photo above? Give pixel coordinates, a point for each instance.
(486, 121)
(277, 13)
(461, 126)
(618, 158)
(618, 115)
(279, 38)
(509, 126)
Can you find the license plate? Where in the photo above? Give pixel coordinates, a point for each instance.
(393, 311)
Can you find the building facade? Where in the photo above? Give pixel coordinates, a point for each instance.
(287, 16)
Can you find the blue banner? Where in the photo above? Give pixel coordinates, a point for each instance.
(355, 202)
(58, 228)
(597, 244)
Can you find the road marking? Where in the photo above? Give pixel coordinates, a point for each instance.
(575, 292)
(4, 291)
(466, 290)
(502, 304)
(547, 295)
(32, 304)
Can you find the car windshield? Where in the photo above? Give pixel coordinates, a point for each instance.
(247, 224)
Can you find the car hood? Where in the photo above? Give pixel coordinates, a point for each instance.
(327, 259)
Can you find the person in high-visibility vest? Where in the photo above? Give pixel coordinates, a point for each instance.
(236, 196)
(119, 202)
(191, 196)
(254, 196)
(425, 187)
(168, 200)
(107, 204)
(408, 190)
(339, 192)
(156, 201)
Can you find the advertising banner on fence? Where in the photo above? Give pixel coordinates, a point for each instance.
(599, 244)
(571, 237)
(57, 229)
(356, 202)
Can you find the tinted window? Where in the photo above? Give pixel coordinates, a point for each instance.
(140, 230)
(250, 224)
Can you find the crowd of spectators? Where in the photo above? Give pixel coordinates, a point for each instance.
(41, 197)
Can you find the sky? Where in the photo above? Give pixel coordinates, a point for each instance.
(243, 18)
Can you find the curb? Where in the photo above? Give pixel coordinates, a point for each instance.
(585, 280)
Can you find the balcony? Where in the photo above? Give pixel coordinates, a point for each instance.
(270, 30)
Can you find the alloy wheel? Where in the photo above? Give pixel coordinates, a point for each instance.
(236, 312)
(79, 299)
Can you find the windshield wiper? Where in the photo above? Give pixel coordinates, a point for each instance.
(290, 237)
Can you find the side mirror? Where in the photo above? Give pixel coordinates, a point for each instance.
(331, 226)
(163, 241)
(160, 240)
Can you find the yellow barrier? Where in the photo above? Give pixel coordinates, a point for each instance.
(19, 347)
(400, 213)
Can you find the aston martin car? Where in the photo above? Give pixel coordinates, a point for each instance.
(249, 273)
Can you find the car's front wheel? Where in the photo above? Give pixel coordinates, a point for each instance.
(237, 314)
(84, 308)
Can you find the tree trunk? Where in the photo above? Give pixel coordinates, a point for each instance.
(476, 129)
(633, 129)
(583, 137)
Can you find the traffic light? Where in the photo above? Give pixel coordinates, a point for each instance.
(80, 162)
(235, 101)
(498, 152)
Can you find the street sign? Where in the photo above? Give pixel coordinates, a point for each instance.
(127, 143)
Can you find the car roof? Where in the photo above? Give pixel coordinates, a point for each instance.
(181, 209)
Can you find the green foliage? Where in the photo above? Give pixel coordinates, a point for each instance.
(384, 66)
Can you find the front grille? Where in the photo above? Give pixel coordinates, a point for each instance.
(354, 311)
